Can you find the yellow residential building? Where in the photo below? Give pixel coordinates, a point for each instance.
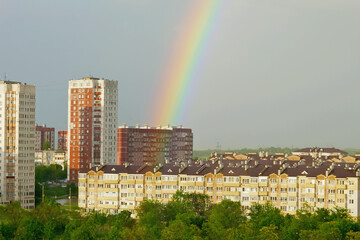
(288, 184)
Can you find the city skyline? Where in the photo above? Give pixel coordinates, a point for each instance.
(275, 74)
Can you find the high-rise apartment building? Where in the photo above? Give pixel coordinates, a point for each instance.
(139, 145)
(62, 140)
(17, 140)
(92, 123)
(43, 134)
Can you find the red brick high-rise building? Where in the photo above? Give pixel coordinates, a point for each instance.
(62, 140)
(43, 134)
(92, 123)
(139, 145)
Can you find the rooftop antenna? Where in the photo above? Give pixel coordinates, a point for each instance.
(5, 76)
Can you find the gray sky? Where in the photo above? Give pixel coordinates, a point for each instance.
(277, 73)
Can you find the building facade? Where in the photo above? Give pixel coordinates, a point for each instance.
(139, 145)
(287, 184)
(320, 152)
(47, 157)
(43, 134)
(92, 123)
(62, 140)
(17, 141)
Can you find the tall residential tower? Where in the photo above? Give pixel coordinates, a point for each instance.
(92, 124)
(17, 141)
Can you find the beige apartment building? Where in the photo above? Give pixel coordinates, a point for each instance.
(288, 184)
(17, 136)
(47, 157)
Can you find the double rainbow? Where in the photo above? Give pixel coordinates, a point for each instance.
(180, 78)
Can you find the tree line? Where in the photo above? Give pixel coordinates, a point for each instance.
(51, 173)
(186, 216)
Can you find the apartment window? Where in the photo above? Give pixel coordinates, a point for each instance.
(283, 181)
(292, 199)
(341, 182)
(245, 181)
(321, 182)
(341, 191)
(273, 180)
(292, 180)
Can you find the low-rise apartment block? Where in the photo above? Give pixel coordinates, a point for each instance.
(48, 157)
(288, 184)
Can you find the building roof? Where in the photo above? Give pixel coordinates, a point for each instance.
(318, 149)
(251, 167)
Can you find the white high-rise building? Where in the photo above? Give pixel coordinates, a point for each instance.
(92, 124)
(17, 141)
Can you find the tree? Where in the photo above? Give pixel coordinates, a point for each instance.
(225, 217)
(269, 232)
(46, 145)
(265, 215)
(119, 223)
(151, 218)
(30, 229)
(179, 230)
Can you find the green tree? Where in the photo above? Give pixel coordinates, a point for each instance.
(179, 230)
(30, 229)
(269, 232)
(353, 235)
(46, 145)
(118, 223)
(151, 218)
(265, 215)
(225, 217)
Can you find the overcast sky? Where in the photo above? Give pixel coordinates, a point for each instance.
(277, 73)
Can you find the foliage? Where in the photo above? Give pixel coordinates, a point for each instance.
(186, 216)
(46, 145)
(51, 173)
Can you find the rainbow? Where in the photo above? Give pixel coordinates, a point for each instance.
(180, 77)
